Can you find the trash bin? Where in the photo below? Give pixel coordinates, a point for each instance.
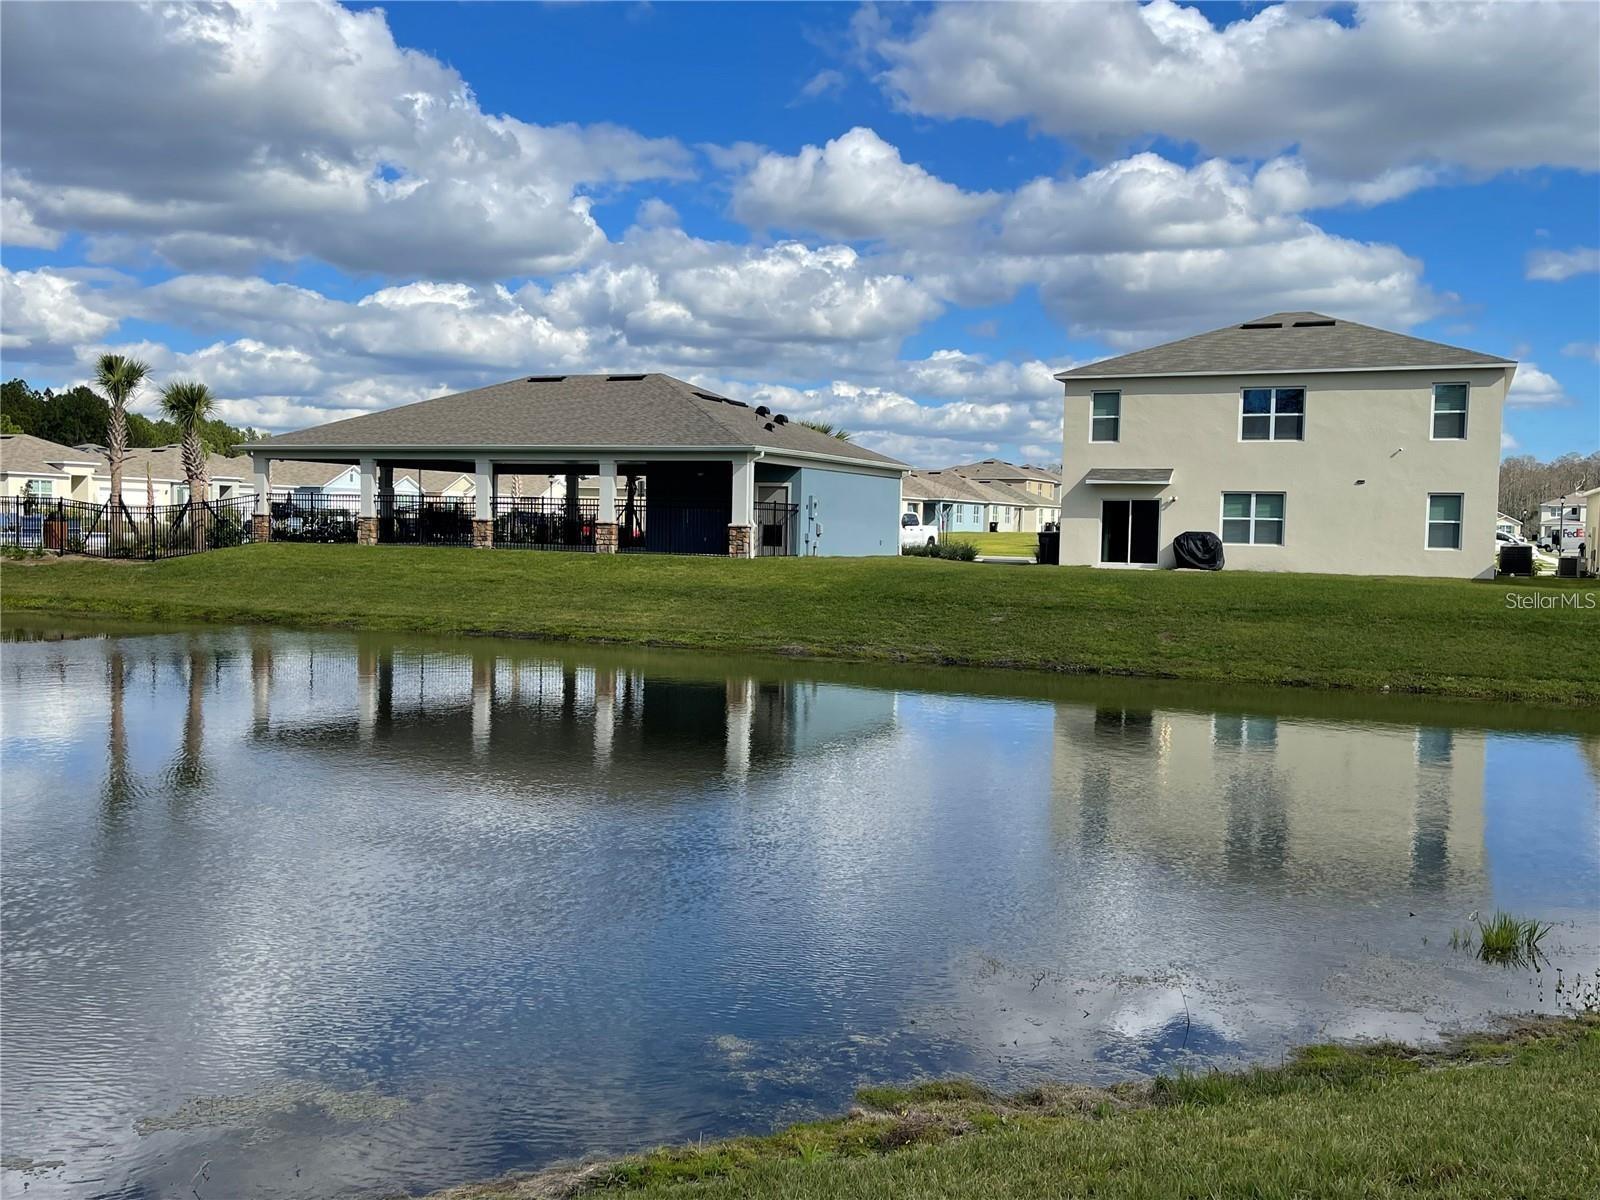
(55, 532)
(1049, 546)
(994, 526)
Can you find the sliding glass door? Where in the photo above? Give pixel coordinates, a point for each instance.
(1130, 531)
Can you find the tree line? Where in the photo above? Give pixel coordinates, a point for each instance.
(1526, 483)
(81, 415)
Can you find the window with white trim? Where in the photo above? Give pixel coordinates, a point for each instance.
(1449, 411)
(41, 489)
(1252, 518)
(1444, 521)
(1272, 414)
(1105, 417)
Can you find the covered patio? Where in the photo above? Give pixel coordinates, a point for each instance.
(679, 471)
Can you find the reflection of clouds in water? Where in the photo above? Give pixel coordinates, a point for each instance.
(559, 905)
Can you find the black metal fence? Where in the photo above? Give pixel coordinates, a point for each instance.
(674, 529)
(425, 520)
(545, 523)
(312, 517)
(108, 530)
(777, 529)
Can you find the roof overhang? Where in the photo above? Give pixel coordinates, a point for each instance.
(1129, 477)
(1069, 376)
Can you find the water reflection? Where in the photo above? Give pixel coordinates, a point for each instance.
(346, 914)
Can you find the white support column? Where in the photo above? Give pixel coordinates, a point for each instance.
(369, 488)
(483, 490)
(741, 524)
(608, 492)
(261, 467)
(744, 490)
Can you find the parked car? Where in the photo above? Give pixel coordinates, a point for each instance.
(1509, 539)
(914, 533)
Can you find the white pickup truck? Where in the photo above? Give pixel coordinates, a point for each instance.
(914, 533)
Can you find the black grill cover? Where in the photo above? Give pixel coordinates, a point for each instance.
(1198, 551)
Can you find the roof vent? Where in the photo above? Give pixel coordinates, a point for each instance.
(1262, 325)
(763, 411)
(781, 419)
(545, 378)
(767, 426)
(623, 378)
(1312, 324)
(711, 396)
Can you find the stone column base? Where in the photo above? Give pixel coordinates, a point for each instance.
(366, 531)
(482, 534)
(605, 537)
(738, 541)
(260, 528)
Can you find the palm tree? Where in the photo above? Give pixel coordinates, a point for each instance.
(188, 405)
(119, 378)
(828, 428)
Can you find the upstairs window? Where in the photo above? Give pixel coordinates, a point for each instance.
(1449, 411)
(1273, 415)
(1444, 521)
(1105, 417)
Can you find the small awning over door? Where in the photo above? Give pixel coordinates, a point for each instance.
(1129, 476)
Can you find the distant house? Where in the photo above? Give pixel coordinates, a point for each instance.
(1505, 523)
(1562, 521)
(50, 471)
(228, 477)
(44, 470)
(1037, 489)
(956, 504)
(1306, 442)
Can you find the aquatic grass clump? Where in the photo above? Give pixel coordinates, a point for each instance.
(1504, 939)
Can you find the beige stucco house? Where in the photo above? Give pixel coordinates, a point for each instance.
(46, 470)
(1308, 443)
(50, 471)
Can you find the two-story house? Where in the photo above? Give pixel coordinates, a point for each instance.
(1308, 443)
(1562, 520)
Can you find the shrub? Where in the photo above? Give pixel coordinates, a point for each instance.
(957, 551)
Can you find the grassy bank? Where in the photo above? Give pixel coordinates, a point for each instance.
(1507, 1115)
(1441, 637)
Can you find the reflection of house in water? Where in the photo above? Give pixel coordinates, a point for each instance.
(1346, 805)
(553, 722)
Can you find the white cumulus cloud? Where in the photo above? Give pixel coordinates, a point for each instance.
(284, 131)
(856, 186)
(1483, 86)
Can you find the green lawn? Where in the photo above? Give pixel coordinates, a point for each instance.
(1517, 1116)
(1441, 637)
(1023, 545)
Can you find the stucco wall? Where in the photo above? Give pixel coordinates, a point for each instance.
(1369, 426)
(859, 514)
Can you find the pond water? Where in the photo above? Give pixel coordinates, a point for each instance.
(306, 915)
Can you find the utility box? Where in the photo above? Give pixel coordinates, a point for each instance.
(1516, 560)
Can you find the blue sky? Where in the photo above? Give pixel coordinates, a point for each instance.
(902, 219)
